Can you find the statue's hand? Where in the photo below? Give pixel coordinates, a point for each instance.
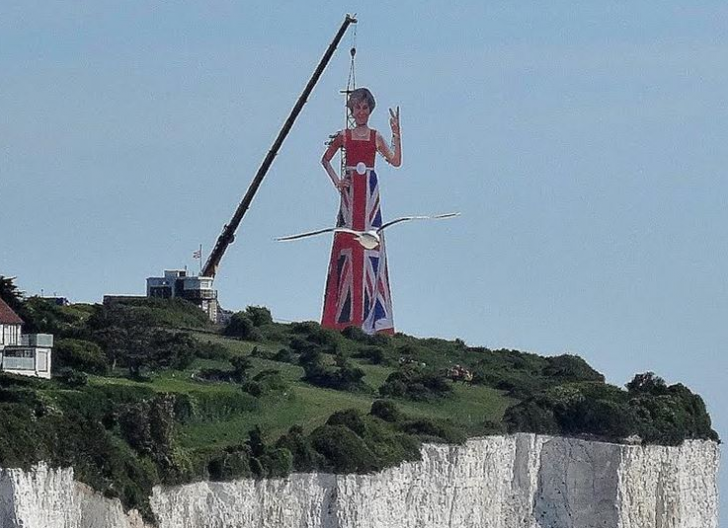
(342, 184)
(394, 121)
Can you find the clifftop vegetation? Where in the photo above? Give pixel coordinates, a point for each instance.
(148, 391)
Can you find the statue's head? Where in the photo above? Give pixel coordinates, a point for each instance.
(361, 103)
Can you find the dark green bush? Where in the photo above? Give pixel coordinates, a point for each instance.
(343, 450)
(275, 463)
(531, 416)
(81, 355)
(259, 315)
(315, 334)
(233, 463)
(265, 382)
(43, 316)
(241, 327)
(375, 355)
(350, 418)
(268, 461)
(355, 333)
(210, 350)
(568, 367)
(284, 356)
(72, 378)
(341, 376)
(241, 366)
(414, 383)
(271, 380)
(429, 430)
(647, 383)
(305, 457)
(386, 410)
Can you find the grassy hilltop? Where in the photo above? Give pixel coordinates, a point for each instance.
(148, 392)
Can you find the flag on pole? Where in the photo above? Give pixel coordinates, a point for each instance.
(197, 254)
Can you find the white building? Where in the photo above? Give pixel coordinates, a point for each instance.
(28, 355)
(197, 290)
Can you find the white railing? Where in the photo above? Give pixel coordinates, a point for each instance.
(18, 363)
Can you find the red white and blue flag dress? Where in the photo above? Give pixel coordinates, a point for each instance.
(357, 285)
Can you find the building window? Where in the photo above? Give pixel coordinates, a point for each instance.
(19, 359)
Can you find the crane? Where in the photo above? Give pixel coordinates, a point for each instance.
(227, 236)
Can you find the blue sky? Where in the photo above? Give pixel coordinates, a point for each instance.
(583, 143)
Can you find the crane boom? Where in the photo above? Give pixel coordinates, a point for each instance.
(228, 232)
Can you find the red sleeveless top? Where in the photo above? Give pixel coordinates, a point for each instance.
(360, 150)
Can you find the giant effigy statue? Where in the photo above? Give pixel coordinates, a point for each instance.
(357, 285)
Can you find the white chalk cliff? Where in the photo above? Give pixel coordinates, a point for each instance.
(518, 481)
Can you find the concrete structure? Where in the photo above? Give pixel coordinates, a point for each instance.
(28, 355)
(197, 290)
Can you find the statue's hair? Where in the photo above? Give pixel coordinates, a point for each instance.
(361, 94)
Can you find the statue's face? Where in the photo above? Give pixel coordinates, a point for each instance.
(360, 111)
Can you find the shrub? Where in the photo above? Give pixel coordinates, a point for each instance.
(316, 334)
(276, 463)
(433, 431)
(343, 450)
(305, 457)
(375, 355)
(350, 418)
(344, 376)
(284, 356)
(72, 378)
(233, 463)
(259, 315)
(530, 416)
(672, 417)
(174, 350)
(267, 461)
(386, 410)
(148, 425)
(43, 316)
(355, 333)
(237, 374)
(210, 350)
(568, 367)
(413, 383)
(265, 382)
(647, 383)
(241, 366)
(241, 327)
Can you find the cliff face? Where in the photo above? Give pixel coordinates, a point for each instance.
(50, 498)
(519, 481)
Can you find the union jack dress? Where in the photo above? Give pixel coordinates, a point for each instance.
(357, 285)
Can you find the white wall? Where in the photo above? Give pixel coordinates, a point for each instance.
(9, 334)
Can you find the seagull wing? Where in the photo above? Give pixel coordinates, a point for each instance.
(304, 235)
(408, 218)
(347, 230)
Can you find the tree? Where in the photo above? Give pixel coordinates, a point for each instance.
(129, 340)
(13, 297)
(241, 366)
(259, 315)
(10, 293)
(647, 383)
(242, 327)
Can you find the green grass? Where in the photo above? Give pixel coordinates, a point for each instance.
(303, 404)
(309, 406)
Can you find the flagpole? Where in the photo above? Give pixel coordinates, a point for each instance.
(200, 262)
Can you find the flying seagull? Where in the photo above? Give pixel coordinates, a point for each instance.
(369, 239)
